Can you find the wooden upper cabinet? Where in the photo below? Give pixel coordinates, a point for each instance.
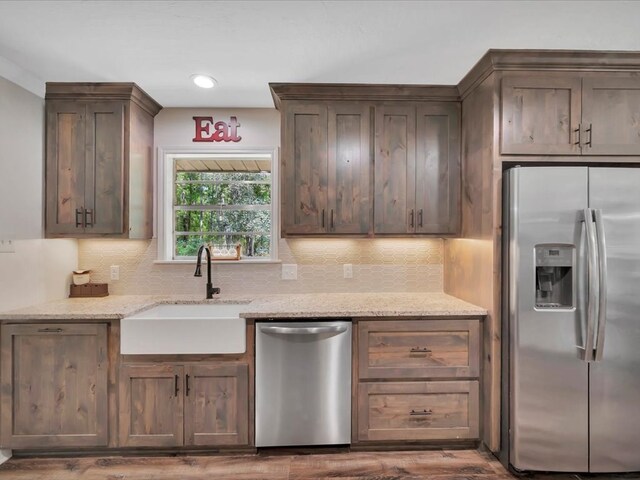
(349, 168)
(438, 168)
(369, 159)
(99, 160)
(611, 115)
(304, 170)
(417, 169)
(570, 114)
(104, 175)
(395, 169)
(65, 180)
(326, 169)
(540, 114)
(54, 385)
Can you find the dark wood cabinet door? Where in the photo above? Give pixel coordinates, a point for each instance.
(395, 168)
(65, 168)
(99, 160)
(104, 186)
(54, 385)
(350, 168)
(411, 411)
(217, 404)
(611, 115)
(151, 405)
(540, 115)
(305, 171)
(438, 168)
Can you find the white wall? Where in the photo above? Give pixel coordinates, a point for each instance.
(21, 162)
(39, 270)
(259, 127)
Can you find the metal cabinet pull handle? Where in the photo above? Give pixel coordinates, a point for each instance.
(420, 218)
(411, 218)
(80, 217)
(177, 389)
(88, 213)
(186, 389)
(420, 412)
(579, 132)
(304, 330)
(322, 218)
(50, 330)
(331, 226)
(420, 350)
(590, 130)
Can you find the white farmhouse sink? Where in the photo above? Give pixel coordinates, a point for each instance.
(184, 329)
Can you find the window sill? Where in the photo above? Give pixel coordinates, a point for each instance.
(218, 262)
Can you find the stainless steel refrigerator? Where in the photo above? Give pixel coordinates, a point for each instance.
(571, 319)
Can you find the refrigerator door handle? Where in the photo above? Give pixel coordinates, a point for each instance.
(592, 294)
(602, 281)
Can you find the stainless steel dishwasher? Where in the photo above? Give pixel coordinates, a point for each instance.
(303, 383)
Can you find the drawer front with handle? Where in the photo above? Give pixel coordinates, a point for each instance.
(419, 349)
(401, 411)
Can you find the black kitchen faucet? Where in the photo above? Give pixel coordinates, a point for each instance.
(211, 291)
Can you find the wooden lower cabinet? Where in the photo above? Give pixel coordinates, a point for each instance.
(418, 411)
(416, 380)
(216, 405)
(172, 405)
(151, 405)
(54, 385)
(419, 349)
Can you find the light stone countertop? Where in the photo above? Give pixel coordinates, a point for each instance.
(325, 305)
(322, 305)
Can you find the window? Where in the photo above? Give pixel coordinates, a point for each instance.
(219, 199)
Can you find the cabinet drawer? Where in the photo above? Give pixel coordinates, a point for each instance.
(419, 349)
(418, 411)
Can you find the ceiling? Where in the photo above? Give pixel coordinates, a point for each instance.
(247, 44)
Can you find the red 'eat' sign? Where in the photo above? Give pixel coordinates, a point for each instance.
(222, 131)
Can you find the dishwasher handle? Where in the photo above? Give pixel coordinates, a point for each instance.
(304, 330)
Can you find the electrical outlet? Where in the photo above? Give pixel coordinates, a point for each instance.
(347, 270)
(115, 272)
(289, 271)
(7, 246)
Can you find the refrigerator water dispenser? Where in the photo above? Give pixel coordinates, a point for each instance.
(554, 276)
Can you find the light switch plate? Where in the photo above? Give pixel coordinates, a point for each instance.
(289, 271)
(347, 270)
(115, 272)
(7, 246)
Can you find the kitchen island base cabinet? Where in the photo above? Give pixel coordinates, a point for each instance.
(192, 405)
(54, 386)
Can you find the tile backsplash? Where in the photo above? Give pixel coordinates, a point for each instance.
(385, 265)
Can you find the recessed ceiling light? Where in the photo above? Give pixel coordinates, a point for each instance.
(204, 81)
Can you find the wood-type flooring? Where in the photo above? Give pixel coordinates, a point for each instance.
(430, 465)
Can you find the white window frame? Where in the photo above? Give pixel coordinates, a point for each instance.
(163, 202)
